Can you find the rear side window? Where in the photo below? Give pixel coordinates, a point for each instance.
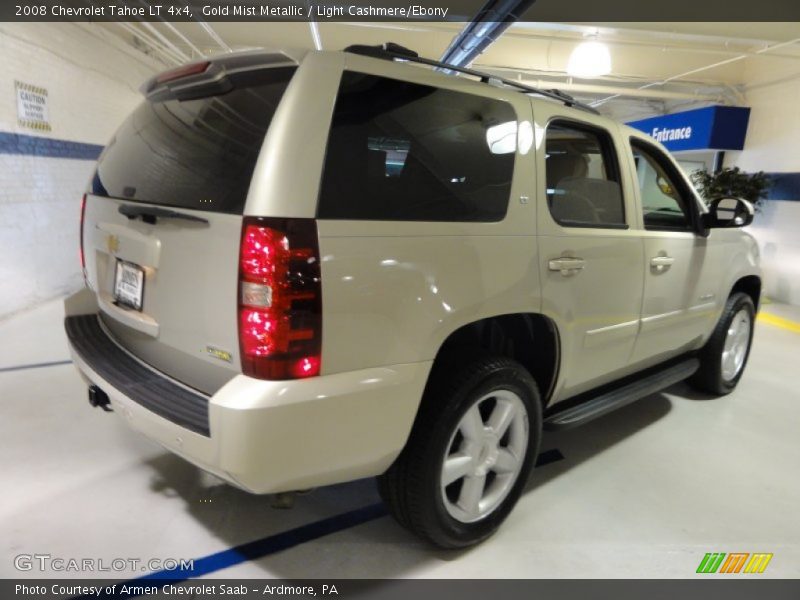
(583, 182)
(400, 151)
(197, 154)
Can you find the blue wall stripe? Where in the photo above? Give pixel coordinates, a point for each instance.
(785, 186)
(31, 145)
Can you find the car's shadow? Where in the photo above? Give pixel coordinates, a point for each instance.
(236, 517)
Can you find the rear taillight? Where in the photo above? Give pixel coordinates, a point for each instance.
(80, 234)
(280, 298)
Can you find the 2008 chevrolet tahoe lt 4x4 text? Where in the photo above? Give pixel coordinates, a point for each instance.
(304, 269)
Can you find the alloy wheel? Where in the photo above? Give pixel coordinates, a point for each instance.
(484, 456)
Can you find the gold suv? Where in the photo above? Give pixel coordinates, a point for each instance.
(307, 268)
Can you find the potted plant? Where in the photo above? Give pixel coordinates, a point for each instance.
(732, 182)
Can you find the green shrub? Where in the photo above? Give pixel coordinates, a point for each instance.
(732, 182)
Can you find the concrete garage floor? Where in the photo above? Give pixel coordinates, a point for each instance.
(644, 492)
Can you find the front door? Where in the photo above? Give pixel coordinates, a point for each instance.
(681, 287)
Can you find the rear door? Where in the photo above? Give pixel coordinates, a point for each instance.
(163, 218)
(590, 256)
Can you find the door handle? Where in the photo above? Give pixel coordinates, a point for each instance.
(566, 264)
(661, 262)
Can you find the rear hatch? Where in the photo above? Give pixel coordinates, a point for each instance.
(163, 215)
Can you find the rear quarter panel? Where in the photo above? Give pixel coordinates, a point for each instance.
(393, 291)
(394, 297)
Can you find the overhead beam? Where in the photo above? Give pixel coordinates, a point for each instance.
(485, 28)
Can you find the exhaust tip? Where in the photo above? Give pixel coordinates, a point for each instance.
(99, 399)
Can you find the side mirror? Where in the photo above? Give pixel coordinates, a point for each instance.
(729, 212)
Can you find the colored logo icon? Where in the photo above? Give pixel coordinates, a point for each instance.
(735, 562)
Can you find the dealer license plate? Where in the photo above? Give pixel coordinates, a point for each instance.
(129, 285)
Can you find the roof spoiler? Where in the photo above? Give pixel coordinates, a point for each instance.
(210, 76)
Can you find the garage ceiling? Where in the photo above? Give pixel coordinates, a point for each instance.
(657, 67)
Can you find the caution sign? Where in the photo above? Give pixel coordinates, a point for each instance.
(32, 106)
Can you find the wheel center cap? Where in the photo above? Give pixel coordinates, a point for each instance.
(491, 455)
(487, 455)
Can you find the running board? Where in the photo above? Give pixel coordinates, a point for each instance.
(616, 398)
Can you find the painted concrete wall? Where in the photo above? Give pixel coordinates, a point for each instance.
(772, 146)
(92, 83)
(777, 229)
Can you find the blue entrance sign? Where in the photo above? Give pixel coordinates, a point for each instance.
(710, 128)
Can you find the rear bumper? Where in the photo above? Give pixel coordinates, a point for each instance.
(95, 348)
(261, 436)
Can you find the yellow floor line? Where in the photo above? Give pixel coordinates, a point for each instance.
(779, 322)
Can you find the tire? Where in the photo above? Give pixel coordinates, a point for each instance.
(721, 367)
(493, 456)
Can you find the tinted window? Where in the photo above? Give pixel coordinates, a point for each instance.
(662, 203)
(196, 154)
(583, 184)
(407, 152)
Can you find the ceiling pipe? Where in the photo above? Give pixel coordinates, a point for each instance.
(164, 40)
(149, 41)
(315, 37)
(123, 45)
(679, 90)
(186, 40)
(174, 30)
(486, 27)
(208, 29)
(764, 50)
(214, 35)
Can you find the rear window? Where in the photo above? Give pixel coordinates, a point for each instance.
(407, 152)
(197, 154)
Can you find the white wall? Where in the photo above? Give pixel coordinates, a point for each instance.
(777, 230)
(92, 81)
(771, 145)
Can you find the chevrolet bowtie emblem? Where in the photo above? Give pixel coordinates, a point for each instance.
(112, 243)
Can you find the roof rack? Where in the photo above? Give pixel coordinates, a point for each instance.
(392, 51)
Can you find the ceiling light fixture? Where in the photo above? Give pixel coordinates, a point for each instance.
(589, 59)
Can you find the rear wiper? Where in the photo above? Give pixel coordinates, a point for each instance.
(150, 214)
